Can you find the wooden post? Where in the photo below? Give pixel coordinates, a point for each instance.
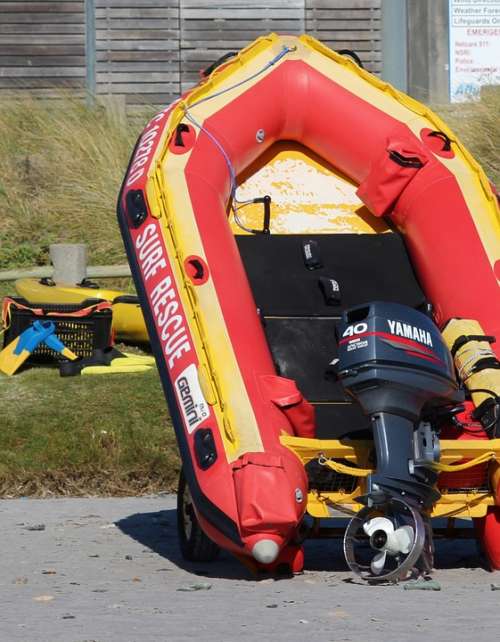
(90, 50)
(428, 50)
(395, 43)
(69, 261)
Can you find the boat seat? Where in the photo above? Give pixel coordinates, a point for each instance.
(300, 326)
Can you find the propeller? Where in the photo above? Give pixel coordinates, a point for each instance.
(387, 540)
(385, 543)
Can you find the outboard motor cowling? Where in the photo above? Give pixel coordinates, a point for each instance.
(393, 361)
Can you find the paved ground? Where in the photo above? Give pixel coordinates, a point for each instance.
(108, 570)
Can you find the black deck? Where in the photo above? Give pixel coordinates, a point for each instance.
(300, 327)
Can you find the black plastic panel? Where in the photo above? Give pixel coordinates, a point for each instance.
(300, 327)
(367, 267)
(204, 447)
(302, 349)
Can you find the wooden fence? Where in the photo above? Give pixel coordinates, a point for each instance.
(148, 51)
(42, 46)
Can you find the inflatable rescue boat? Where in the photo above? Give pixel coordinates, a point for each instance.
(318, 260)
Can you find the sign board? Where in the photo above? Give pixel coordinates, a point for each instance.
(474, 47)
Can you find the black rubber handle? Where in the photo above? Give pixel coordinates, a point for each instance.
(180, 129)
(200, 272)
(405, 161)
(266, 201)
(206, 72)
(444, 138)
(351, 54)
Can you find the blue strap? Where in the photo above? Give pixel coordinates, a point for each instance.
(29, 339)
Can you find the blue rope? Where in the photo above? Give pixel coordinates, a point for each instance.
(219, 146)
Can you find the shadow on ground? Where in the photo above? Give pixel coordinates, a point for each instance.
(158, 532)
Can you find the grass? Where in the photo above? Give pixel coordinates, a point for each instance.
(478, 126)
(61, 165)
(102, 434)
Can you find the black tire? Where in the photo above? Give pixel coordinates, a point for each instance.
(195, 545)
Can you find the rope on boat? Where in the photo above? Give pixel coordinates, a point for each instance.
(218, 144)
(438, 466)
(343, 468)
(451, 468)
(466, 368)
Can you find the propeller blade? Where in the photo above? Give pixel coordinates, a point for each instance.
(378, 524)
(405, 536)
(378, 563)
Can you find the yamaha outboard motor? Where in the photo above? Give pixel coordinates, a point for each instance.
(393, 361)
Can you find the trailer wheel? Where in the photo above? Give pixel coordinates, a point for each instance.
(195, 545)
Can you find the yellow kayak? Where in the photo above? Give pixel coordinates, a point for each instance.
(128, 320)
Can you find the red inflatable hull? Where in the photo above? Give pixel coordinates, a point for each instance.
(193, 285)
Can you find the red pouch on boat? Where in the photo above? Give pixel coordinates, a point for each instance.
(390, 175)
(266, 492)
(299, 412)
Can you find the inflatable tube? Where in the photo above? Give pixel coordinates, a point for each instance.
(228, 404)
(476, 363)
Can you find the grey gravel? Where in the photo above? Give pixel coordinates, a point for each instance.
(92, 592)
(35, 527)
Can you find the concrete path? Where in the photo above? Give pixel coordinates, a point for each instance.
(109, 570)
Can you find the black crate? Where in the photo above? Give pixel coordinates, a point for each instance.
(80, 333)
